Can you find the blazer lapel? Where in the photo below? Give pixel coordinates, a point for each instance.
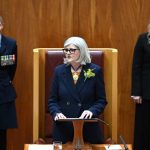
(81, 81)
(68, 81)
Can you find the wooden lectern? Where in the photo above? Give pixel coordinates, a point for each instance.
(78, 142)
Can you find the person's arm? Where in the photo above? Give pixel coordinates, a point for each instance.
(137, 71)
(53, 106)
(100, 102)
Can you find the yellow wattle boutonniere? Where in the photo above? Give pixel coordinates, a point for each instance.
(89, 73)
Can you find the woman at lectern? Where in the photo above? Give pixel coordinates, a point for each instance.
(77, 92)
(141, 91)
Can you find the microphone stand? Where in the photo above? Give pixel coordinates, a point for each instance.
(122, 140)
(100, 120)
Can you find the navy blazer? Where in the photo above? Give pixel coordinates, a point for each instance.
(7, 91)
(141, 68)
(72, 99)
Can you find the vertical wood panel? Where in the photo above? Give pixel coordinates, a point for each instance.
(95, 22)
(47, 23)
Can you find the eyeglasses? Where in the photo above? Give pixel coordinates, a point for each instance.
(71, 50)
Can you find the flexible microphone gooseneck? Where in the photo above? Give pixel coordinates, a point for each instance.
(100, 120)
(123, 141)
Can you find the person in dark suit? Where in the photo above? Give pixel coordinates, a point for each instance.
(8, 57)
(77, 92)
(141, 91)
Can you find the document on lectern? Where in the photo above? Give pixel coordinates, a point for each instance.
(79, 119)
(40, 147)
(83, 119)
(113, 147)
(72, 119)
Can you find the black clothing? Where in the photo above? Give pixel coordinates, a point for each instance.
(141, 87)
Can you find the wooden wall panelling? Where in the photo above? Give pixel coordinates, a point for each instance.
(47, 23)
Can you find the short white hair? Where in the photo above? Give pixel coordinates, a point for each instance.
(82, 46)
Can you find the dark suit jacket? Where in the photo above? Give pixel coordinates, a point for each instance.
(141, 68)
(7, 91)
(72, 100)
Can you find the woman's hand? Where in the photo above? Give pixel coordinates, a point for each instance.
(59, 116)
(86, 115)
(137, 99)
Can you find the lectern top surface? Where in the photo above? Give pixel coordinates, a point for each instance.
(74, 119)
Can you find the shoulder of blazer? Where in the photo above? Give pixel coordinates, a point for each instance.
(92, 66)
(61, 68)
(143, 36)
(142, 39)
(8, 40)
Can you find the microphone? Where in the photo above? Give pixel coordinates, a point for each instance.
(100, 120)
(123, 141)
